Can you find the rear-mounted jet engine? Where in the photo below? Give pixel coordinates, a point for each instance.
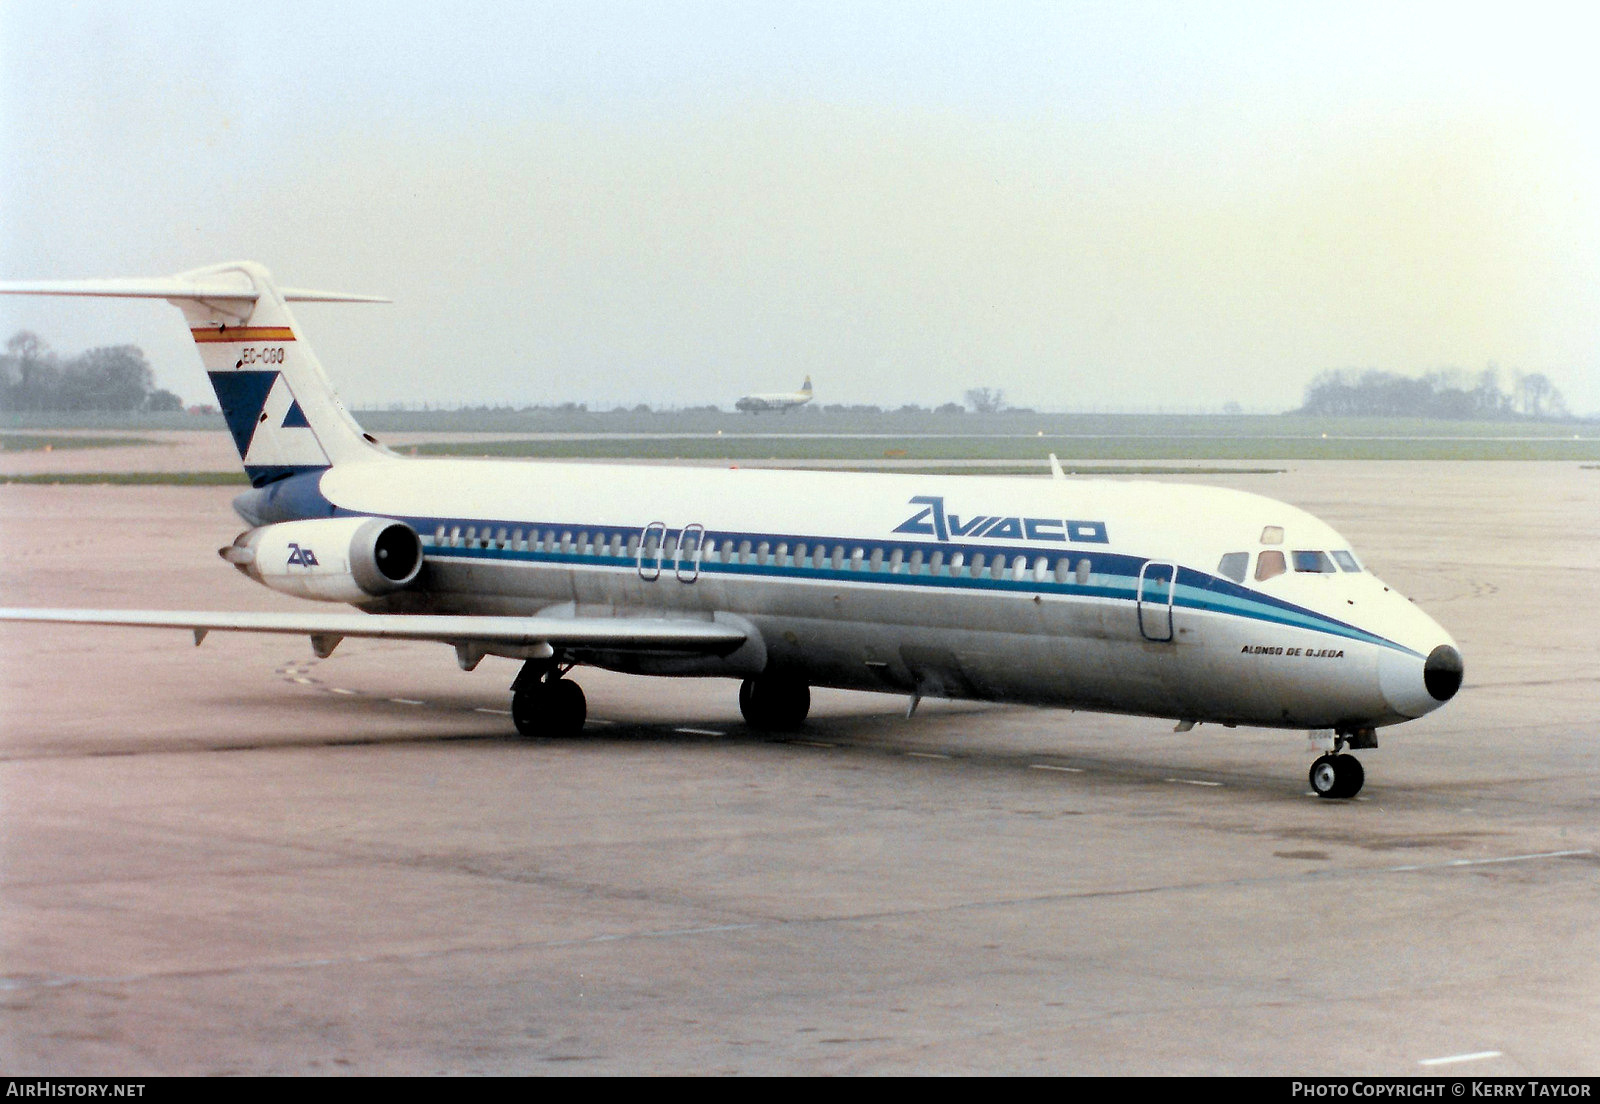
(332, 559)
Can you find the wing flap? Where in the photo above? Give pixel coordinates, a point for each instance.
(612, 633)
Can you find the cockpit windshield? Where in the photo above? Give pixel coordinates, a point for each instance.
(1234, 565)
(1314, 562)
(1271, 563)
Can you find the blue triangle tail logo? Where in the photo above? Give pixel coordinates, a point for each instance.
(242, 396)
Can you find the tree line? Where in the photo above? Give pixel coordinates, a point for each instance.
(1448, 393)
(115, 377)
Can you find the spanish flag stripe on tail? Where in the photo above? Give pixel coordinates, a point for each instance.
(208, 334)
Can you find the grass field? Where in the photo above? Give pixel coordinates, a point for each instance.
(858, 437)
(1104, 448)
(134, 479)
(237, 478)
(51, 442)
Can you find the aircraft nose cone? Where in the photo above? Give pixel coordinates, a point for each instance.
(1414, 684)
(1442, 673)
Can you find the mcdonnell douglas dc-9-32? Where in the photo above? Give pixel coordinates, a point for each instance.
(1189, 603)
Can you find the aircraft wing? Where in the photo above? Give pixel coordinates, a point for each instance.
(619, 633)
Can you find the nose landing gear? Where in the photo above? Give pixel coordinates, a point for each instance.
(1337, 776)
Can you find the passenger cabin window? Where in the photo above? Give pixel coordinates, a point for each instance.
(1314, 563)
(1346, 561)
(1082, 574)
(1269, 565)
(1234, 565)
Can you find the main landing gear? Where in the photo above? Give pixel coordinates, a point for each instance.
(545, 704)
(774, 703)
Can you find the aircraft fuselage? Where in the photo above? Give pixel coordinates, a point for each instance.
(1083, 594)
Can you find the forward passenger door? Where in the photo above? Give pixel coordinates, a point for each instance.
(1157, 588)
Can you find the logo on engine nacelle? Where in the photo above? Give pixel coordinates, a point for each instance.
(302, 556)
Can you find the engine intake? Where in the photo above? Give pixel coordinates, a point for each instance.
(331, 559)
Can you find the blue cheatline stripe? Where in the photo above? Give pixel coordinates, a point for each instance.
(1113, 576)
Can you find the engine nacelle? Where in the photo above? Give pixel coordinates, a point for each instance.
(332, 559)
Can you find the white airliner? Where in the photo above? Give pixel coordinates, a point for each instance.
(781, 401)
(1189, 603)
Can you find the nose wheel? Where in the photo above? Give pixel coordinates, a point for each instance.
(1337, 776)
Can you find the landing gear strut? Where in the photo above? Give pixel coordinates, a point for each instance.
(543, 703)
(775, 703)
(1337, 776)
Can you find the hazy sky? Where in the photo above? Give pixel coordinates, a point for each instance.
(1088, 205)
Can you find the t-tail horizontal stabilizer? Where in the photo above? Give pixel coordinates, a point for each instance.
(281, 410)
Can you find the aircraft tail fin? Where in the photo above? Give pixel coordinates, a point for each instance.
(805, 388)
(280, 408)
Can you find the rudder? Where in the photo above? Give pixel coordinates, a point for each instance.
(283, 414)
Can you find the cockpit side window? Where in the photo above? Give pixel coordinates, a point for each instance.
(1314, 562)
(1269, 565)
(1234, 565)
(1346, 561)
